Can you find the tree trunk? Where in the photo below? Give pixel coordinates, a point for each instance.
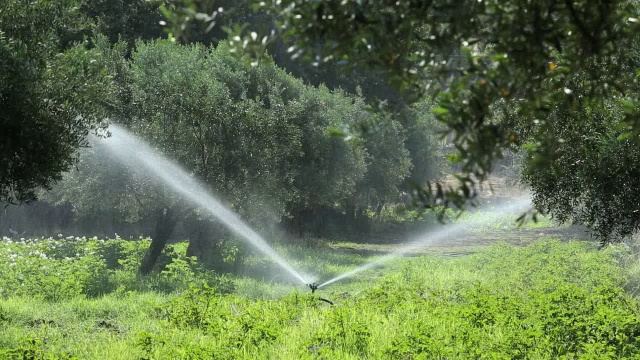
(165, 223)
(206, 244)
(362, 222)
(379, 209)
(298, 221)
(197, 245)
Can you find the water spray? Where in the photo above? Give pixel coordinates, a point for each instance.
(430, 238)
(181, 182)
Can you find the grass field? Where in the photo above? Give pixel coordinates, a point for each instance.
(536, 299)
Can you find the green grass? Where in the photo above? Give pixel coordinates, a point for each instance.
(98, 328)
(549, 299)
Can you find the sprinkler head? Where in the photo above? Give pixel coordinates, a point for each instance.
(313, 287)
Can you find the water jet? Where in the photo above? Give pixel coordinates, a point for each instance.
(446, 232)
(138, 155)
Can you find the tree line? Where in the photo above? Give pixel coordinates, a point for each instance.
(555, 80)
(257, 136)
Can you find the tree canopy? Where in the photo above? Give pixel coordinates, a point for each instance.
(53, 91)
(258, 137)
(557, 79)
(502, 73)
(483, 61)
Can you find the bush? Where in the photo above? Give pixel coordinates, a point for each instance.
(52, 269)
(63, 268)
(32, 349)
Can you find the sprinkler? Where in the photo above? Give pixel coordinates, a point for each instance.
(313, 287)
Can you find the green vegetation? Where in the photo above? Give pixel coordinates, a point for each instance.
(590, 167)
(547, 300)
(557, 79)
(498, 76)
(335, 171)
(54, 89)
(256, 136)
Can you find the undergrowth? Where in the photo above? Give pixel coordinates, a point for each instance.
(547, 300)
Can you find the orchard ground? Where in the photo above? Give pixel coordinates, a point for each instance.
(499, 292)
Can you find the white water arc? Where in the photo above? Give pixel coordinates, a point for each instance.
(135, 153)
(432, 237)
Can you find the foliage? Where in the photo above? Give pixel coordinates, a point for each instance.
(423, 140)
(236, 141)
(243, 132)
(126, 20)
(68, 267)
(53, 91)
(247, 133)
(388, 164)
(328, 169)
(547, 300)
(32, 349)
(51, 269)
(588, 171)
(472, 316)
(496, 68)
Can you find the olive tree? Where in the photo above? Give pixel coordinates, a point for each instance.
(589, 172)
(53, 92)
(240, 131)
(482, 60)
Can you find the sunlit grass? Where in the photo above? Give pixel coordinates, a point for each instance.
(493, 301)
